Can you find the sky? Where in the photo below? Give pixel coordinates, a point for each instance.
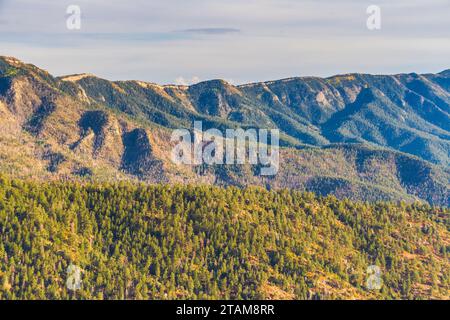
(241, 41)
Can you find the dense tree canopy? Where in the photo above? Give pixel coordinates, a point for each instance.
(136, 241)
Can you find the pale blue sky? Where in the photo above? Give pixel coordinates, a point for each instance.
(237, 40)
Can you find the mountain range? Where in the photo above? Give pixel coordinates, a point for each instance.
(359, 136)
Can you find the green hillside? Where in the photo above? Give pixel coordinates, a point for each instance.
(356, 136)
(182, 242)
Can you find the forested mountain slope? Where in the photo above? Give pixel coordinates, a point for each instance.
(179, 242)
(366, 137)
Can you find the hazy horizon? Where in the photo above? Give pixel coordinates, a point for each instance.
(240, 42)
(212, 79)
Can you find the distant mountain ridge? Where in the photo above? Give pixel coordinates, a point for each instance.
(366, 137)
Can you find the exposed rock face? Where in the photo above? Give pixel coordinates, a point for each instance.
(138, 151)
(100, 137)
(215, 98)
(138, 158)
(22, 99)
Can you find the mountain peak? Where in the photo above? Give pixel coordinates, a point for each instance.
(11, 60)
(213, 83)
(77, 77)
(445, 73)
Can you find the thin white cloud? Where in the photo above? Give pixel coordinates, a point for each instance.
(187, 82)
(212, 31)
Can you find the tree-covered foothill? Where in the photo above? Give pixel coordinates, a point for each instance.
(136, 241)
